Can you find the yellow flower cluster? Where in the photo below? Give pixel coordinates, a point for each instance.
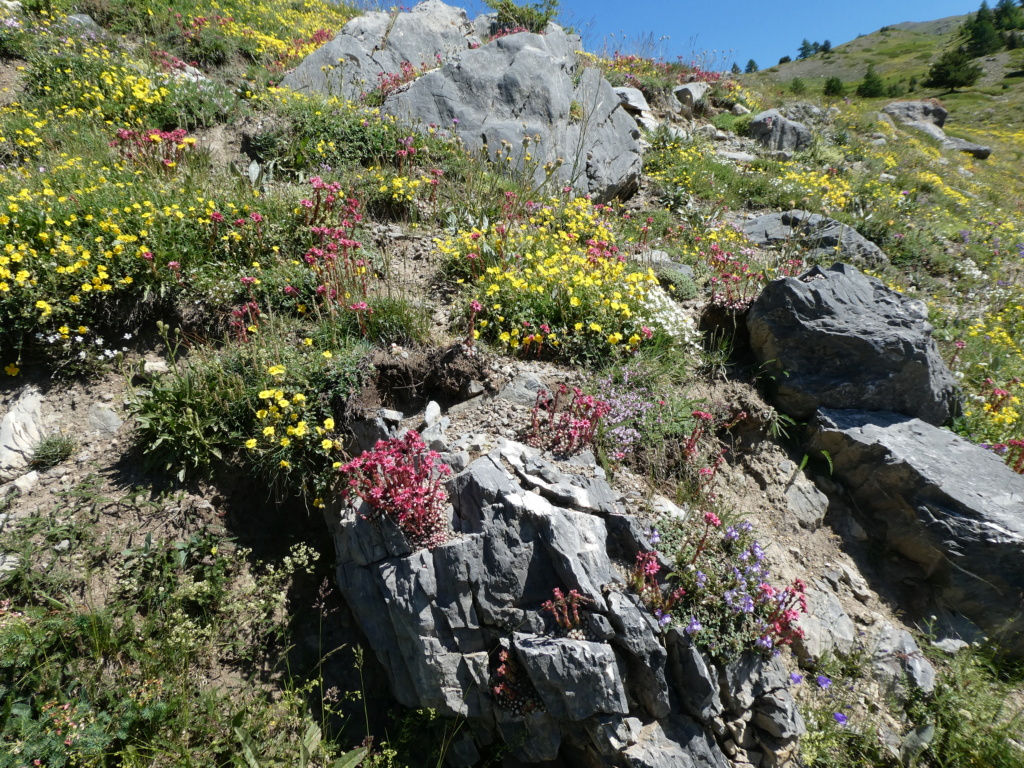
(282, 30)
(553, 282)
(283, 423)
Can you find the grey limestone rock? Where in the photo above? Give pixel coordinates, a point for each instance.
(495, 98)
(21, 429)
(827, 628)
(632, 99)
(777, 714)
(943, 502)
(688, 94)
(677, 742)
(840, 339)
(825, 238)
(523, 389)
(774, 131)
(930, 111)
(436, 620)
(104, 419)
(894, 653)
(694, 678)
(806, 503)
(378, 42)
(574, 678)
(748, 678)
(979, 151)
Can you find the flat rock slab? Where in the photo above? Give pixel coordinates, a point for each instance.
(825, 238)
(836, 338)
(945, 503)
(928, 110)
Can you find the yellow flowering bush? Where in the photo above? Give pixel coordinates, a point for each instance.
(551, 282)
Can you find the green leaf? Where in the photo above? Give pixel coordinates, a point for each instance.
(248, 747)
(351, 759)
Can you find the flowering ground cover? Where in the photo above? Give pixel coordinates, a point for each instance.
(120, 237)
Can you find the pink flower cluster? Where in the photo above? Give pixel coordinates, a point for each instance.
(401, 480)
(787, 605)
(162, 150)
(568, 427)
(735, 285)
(566, 608)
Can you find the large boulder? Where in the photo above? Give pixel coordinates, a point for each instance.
(836, 338)
(824, 238)
(775, 131)
(579, 133)
(688, 95)
(379, 43)
(943, 502)
(490, 95)
(928, 117)
(921, 111)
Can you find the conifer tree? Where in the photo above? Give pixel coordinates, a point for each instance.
(872, 86)
(834, 87)
(980, 34)
(1008, 16)
(751, 67)
(953, 70)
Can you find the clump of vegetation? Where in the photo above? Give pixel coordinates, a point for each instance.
(52, 450)
(531, 17)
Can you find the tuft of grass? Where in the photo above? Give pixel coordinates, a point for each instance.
(52, 450)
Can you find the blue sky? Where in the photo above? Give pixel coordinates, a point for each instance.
(761, 31)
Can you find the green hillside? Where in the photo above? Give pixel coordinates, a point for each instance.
(902, 55)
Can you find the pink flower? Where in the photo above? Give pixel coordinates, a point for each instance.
(712, 519)
(173, 266)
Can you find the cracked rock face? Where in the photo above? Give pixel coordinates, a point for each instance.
(837, 338)
(443, 621)
(573, 117)
(941, 501)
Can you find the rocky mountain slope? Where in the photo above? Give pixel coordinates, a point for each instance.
(370, 400)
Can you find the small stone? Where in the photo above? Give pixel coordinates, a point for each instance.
(155, 367)
(26, 483)
(107, 397)
(391, 416)
(457, 460)
(474, 388)
(951, 645)
(62, 546)
(8, 564)
(432, 415)
(103, 419)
